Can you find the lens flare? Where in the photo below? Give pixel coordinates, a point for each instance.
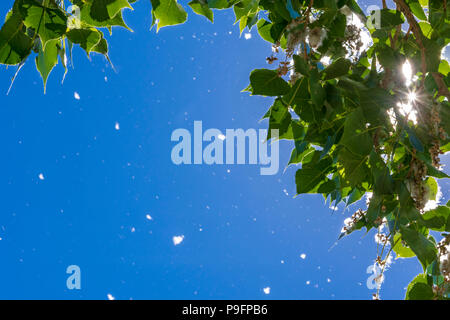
(407, 73)
(412, 96)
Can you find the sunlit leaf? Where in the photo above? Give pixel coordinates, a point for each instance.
(167, 13)
(46, 18)
(201, 8)
(47, 59)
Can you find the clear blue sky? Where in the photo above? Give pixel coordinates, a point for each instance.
(100, 183)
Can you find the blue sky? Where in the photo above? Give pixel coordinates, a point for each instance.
(100, 183)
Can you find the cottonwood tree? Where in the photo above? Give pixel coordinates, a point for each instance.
(363, 96)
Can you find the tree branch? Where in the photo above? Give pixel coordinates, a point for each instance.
(414, 25)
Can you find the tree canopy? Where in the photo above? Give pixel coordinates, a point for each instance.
(362, 95)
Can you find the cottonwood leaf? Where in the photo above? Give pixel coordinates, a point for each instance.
(266, 82)
(356, 137)
(401, 250)
(103, 13)
(46, 18)
(424, 249)
(47, 59)
(167, 13)
(88, 39)
(419, 289)
(313, 174)
(201, 8)
(337, 69)
(437, 219)
(15, 45)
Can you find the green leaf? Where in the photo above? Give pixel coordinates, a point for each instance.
(218, 4)
(424, 249)
(437, 219)
(327, 187)
(407, 208)
(298, 95)
(338, 26)
(375, 102)
(444, 67)
(355, 8)
(326, 4)
(318, 93)
(62, 55)
(15, 45)
(417, 9)
(329, 144)
(102, 13)
(356, 137)
(46, 18)
(388, 19)
(374, 210)
(426, 28)
(245, 8)
(201, 8)
(445, 148)
(101, 47)
(354, 167)
(415, 141)
(433, 56)
(301, 65)
(419, 289)
(383, 182)
(47, 59)
(248, 21)
(337, 69)
(431, 170)
(298, 131)
(86, 38)
(436, 13)
(299, 152)
(279, 119)
(431, 188)
(354, 196)
(387, 56)
(102, 10)
(266, 82)
(270, 32)
(313, 174)
(277, 8)
(445, 117)
(167, 13)
(401, 250)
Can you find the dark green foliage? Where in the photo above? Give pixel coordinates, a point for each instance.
(350, 134)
